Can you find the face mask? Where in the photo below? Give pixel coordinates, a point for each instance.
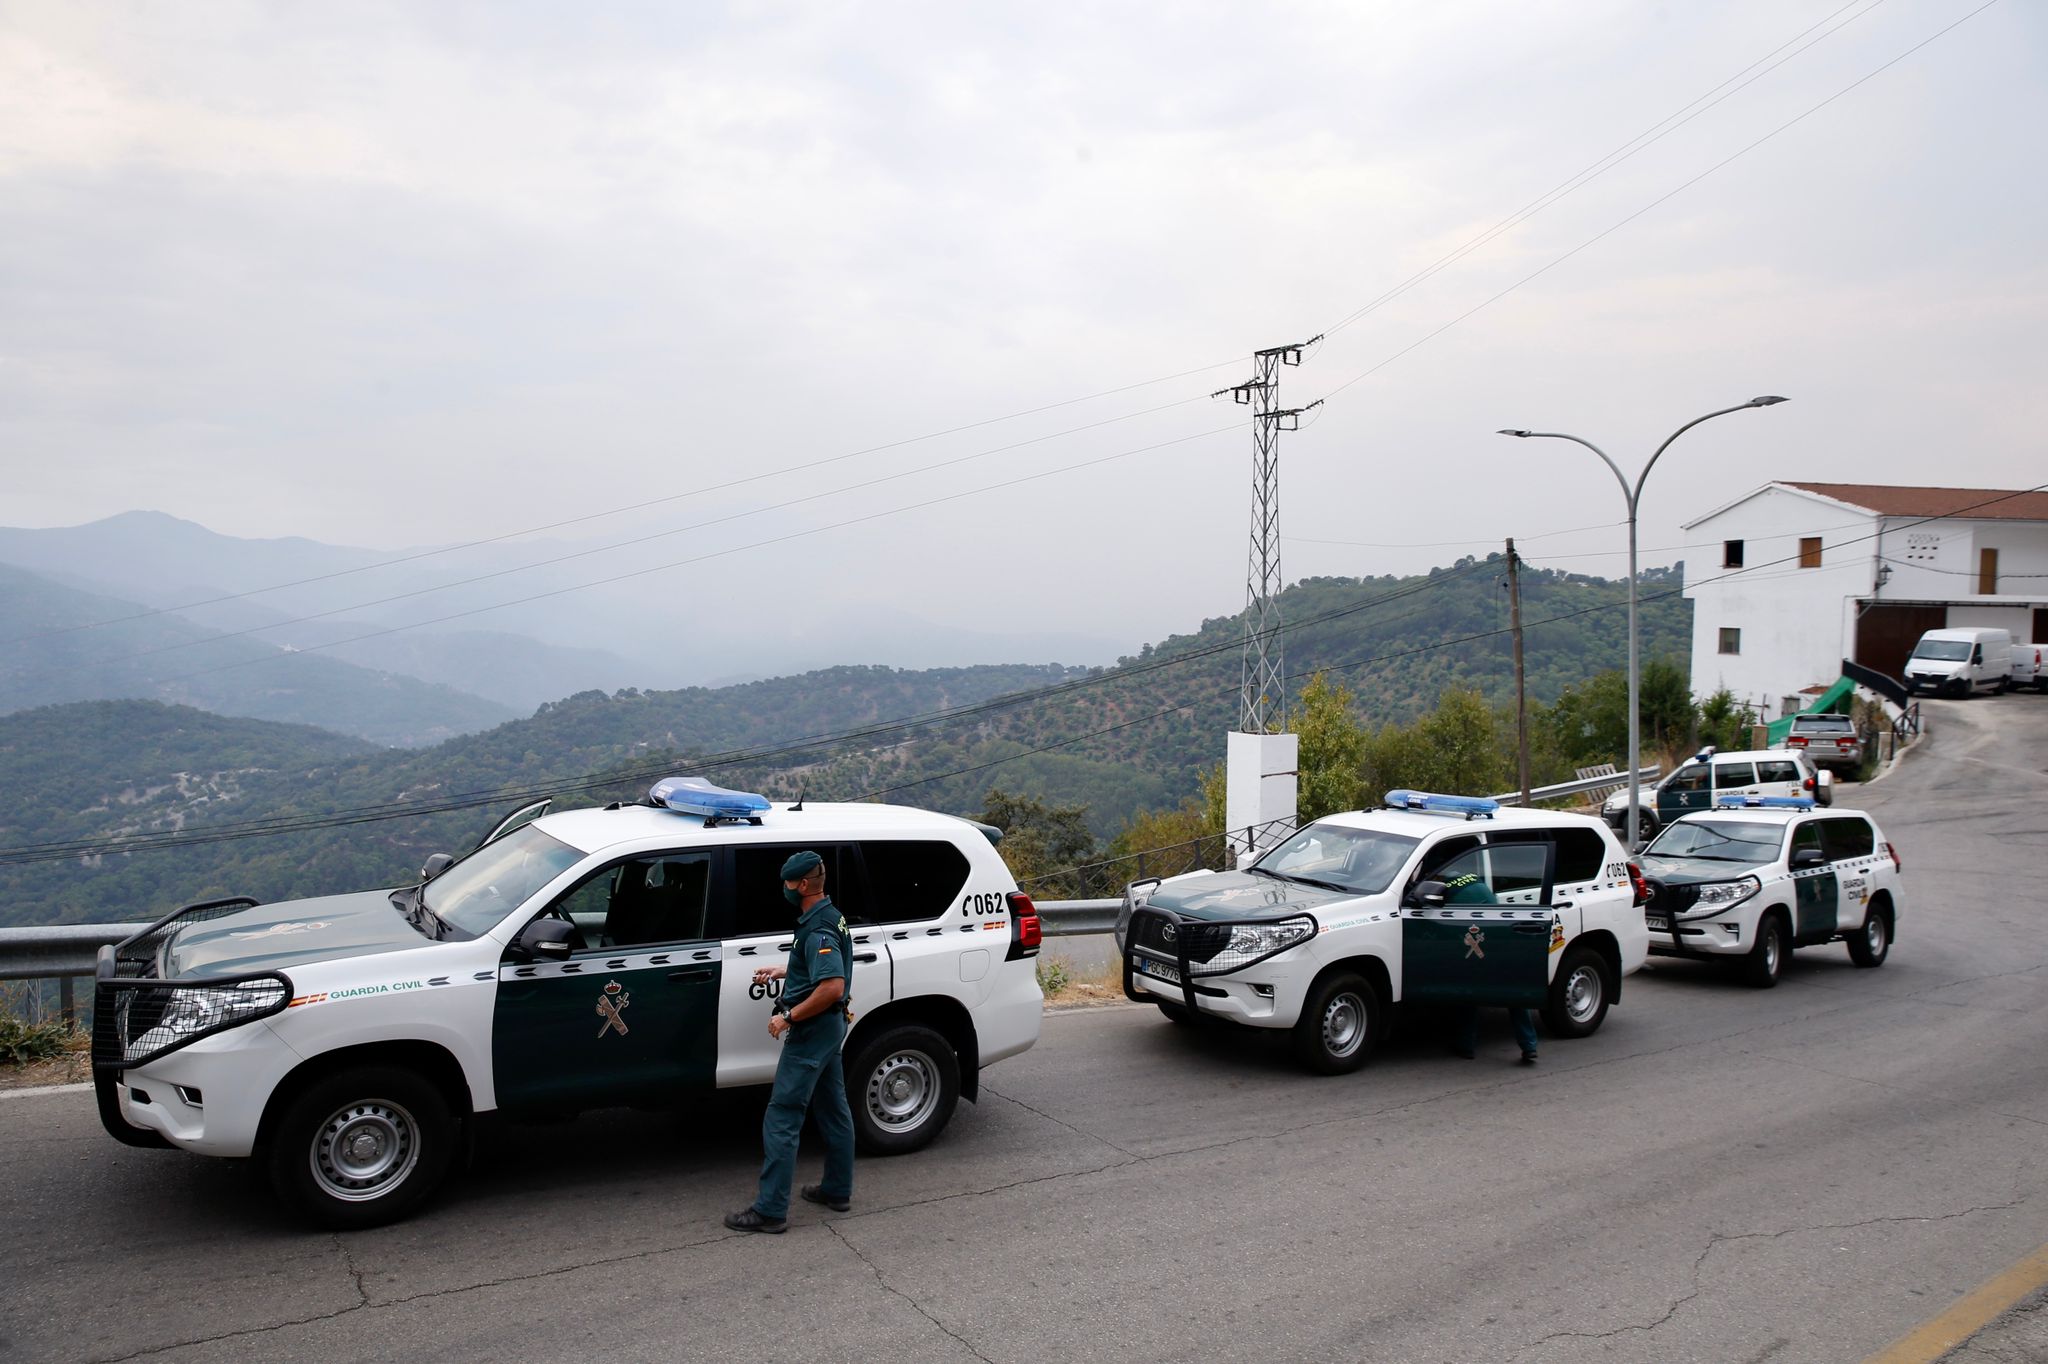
(795, 897)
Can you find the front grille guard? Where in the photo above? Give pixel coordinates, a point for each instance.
(1181, 931)
(136, 955)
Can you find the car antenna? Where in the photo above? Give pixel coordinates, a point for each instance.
(799, 801)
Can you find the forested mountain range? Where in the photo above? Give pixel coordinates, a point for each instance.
(1118, 740)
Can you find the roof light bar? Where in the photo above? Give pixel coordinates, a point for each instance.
(696, 796)
(1430, 802)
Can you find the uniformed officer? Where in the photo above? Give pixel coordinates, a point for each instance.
(1470, 889)
(818, 976)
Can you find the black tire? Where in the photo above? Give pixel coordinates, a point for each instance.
(903, 1083)
(363, 1146)
(1765, 964)
(1340, 1024)
(1579, 994)
(1872, 943)
(1177, 1013)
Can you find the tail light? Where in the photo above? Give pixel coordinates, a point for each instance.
(1808, 783)
(1635, 876)
(1893, 849)
(1796, 741)
(1026, 929)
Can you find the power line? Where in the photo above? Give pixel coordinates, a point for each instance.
(1669, 124)
(1668, 195)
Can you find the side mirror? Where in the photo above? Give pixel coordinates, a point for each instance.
(1825, 778)
(1426, 895)
(1808, 857)
(545, 940)
(436, 864)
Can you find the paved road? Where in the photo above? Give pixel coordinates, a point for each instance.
(1720, 1174)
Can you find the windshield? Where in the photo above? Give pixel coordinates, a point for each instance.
(497, 878)
(1717, 840)
(1363, 861)
(1943, 650)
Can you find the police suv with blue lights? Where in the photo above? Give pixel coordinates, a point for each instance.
(1432, 899)
(1757, 876)
(579, 960)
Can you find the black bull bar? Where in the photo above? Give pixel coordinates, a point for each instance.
(1165, 936)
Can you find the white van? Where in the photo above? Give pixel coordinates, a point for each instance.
(2029, 666)
(1958, 662)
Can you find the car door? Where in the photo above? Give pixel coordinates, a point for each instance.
(757, 927)
(630, 1016)
(1815, 889)
(1489, 943)
(1684, 791)
(1851, 846)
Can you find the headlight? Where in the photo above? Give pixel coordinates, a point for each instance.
(1719, 895)
(1258, 940)
(190, 1011)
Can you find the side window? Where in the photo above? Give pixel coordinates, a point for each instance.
(1442, 855)
(648, 900)
(909, 880)
(1507, 873)
(1581, 855)
(1777, 769)
(1806, 835)
(1735, 774)
(1691, 777)
(1842, 838)
(757, 905)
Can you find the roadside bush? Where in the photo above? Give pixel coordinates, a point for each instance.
(23, 1042)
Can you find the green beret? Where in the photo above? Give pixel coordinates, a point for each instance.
(801, 865)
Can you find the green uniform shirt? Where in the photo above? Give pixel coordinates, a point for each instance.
(1468, 889)
(823, 949)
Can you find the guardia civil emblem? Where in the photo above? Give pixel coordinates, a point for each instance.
(610, 1005)
(1473, 937)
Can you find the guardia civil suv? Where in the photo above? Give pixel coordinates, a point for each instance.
(1756, 876)
(1432, 899)
(572, 961)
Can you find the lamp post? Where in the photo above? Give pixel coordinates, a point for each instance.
(1633, 494)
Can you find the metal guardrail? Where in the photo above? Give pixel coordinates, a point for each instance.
(1582, 784)
(65, 950)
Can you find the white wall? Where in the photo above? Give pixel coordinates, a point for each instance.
(1795, 622)
(1798, 624)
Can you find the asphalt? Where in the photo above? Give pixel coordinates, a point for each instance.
(1720, 1174)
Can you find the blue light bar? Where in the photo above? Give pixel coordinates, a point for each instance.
(1471, 807)
(1763, 802)
(696, 796)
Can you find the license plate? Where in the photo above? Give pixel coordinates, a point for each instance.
(1165, 973)
(1658, 922)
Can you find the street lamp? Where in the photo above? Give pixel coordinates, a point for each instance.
(1634, 494)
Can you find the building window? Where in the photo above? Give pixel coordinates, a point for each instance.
(1731, 554)
(1731, 640)
(1809, 551)
(1987, 572)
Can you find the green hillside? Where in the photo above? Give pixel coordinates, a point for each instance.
(1117, 740)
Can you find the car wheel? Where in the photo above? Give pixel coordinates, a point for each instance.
(1177, 1013)
(362, 1147)
(903, 1083)
(1339, 1024)
(1577, 1003)
(1766, 961)
(1873, 943)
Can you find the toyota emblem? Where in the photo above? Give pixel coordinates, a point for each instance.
(1169, 932)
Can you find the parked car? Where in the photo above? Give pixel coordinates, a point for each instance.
(1432, 899)
(582, 960)
(2029, 668)
(1959, 662)
(1756, 876)
(1694, 784)
(1831, 741)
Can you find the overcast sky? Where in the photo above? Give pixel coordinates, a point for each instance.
(392, 275)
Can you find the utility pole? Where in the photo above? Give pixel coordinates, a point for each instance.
(1262, 761)
(1521, 693)
(1262, 693)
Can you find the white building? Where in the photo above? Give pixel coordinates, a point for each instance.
(1809, 574)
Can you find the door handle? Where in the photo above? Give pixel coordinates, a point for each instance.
(864, 956)
(1562, 904)
(695, 973)
(1532, 928)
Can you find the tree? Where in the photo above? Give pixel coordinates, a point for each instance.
(1725, 722)
(1331, 763)
(1038, 838)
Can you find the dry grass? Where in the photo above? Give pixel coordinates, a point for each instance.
(1067, 988)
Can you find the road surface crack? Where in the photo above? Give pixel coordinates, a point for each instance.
(917, 1306)
(1719, 1239)
(1062, 1122)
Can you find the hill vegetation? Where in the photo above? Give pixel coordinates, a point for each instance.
(1102, 746)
